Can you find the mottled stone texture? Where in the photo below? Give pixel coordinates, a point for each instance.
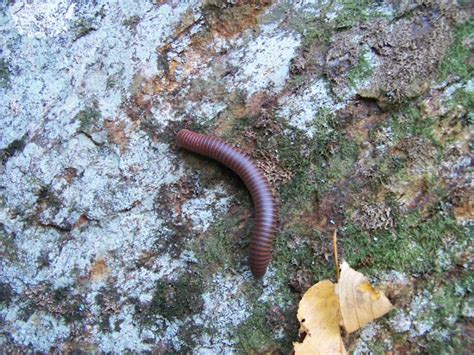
(113, 240)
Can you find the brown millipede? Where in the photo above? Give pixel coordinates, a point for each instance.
(265, 205)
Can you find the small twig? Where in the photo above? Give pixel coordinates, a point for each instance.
(334, 248)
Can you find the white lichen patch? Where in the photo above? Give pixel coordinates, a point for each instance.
(385, 10)
(78, 203)
(301, 109)
(56, 77)
(109, 183)
(164, 113)
(224, 309)
(273, 292)
(42, 19)
(416, 319)
(264, 62)
(120, 244)
(334, 13)
(205, 110)
(128, 335)
(312, 7)
(202, 211)
(451, 89)
(40, 331)
(367, 338)
(140, 283)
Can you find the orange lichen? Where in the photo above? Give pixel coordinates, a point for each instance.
(70, 174)
(117, 134)
(82, 221)
(223, 22)
(233, 20)
(99, 270)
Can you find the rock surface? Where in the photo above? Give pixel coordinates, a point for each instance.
(114, 240)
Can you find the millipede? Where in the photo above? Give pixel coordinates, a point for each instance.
(266, 212)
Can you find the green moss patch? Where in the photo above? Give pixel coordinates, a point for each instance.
(175, 299)
(409, 123)
(4, 74)
(351, 13)
(313, 29)
(464, 100)
(13, 148)
(456, 61)
(255, 335)
(88, 118)
(225, 244)
(362, 71)
(298, 248)
(258, 333)
(316, 163)
(412, 246)
(452, 299)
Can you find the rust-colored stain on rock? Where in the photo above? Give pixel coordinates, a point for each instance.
(99, 270)
(117, 134)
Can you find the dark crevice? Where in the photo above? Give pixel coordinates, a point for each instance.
(97, 144)
(13, 148)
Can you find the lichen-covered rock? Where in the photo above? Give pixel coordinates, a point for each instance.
(113, 240)
(390, 60)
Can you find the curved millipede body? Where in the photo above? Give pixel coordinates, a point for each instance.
(265, 206)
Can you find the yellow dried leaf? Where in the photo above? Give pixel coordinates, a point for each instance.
(318, 313)
(358, 301)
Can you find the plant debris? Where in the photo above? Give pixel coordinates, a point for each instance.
(352, 302)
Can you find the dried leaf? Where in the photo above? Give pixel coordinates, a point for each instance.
(318, 313)
(358, 301)
(352, 302)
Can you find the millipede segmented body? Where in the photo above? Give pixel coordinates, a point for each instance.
(266, 214)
